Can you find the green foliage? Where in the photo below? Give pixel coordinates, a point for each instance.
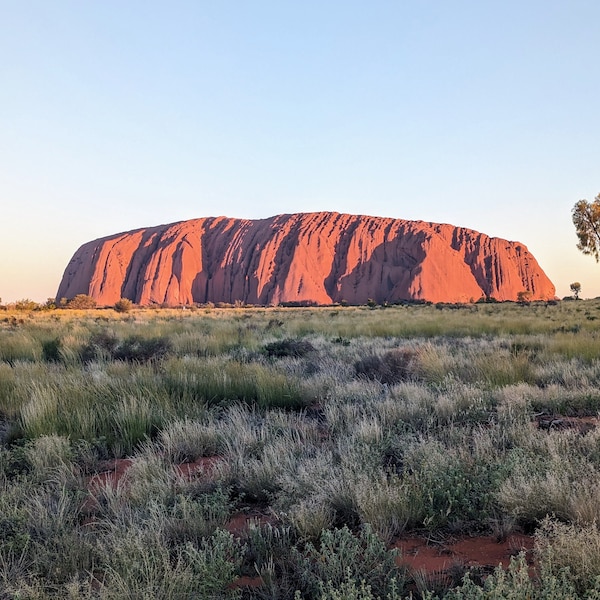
(576, 289)
(193, 519)
(351, 589)
(219, 383)
(342, 556)
(186, 440)
(586, 218)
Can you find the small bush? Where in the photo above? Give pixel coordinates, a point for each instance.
(351, 589)
(82, 301)
(393, 367)
(268, 554)
(26, 304)
(570, 549)
(123, 305)
(311, 517)
(104, 345)
(51, 350)
(138, 349)
(48, 452)
(342, 555)
(101, 345)
(289, 347)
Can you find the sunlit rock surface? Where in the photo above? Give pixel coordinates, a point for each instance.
(321, 258)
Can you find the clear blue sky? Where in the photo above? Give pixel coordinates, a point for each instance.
(121, 114)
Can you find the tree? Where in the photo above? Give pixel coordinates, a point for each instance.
(576, 288)
(524, 297)
(586, 218)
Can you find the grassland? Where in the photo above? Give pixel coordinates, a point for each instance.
(339, 430)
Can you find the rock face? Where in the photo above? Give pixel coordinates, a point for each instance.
(307, 257)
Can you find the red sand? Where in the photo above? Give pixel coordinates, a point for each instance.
(419, 554)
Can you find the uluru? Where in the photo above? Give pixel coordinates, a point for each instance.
(316, 258)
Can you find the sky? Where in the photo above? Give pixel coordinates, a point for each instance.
(121, 114)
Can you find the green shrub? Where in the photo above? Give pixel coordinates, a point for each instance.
(138, 349)
(342, 556)
(388, 505)
(351, 589)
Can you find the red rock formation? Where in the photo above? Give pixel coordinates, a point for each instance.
(312, 257)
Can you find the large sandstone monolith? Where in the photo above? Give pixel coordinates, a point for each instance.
(321, 258)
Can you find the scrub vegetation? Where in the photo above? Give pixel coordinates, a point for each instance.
(281, 453)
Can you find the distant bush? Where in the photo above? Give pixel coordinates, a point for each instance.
(81, 301)
(26, 304)
(123, 305)
(487, 300)
(298, 304)
(289, 347)
(50, 304)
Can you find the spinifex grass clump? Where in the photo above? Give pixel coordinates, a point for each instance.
(105, 346)
(218, 382)
(393, 367)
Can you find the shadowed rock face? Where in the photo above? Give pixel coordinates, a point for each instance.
(314, 257)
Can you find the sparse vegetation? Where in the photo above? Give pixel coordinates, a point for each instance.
(327, 433)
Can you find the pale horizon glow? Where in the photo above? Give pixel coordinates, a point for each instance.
(122, 115)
